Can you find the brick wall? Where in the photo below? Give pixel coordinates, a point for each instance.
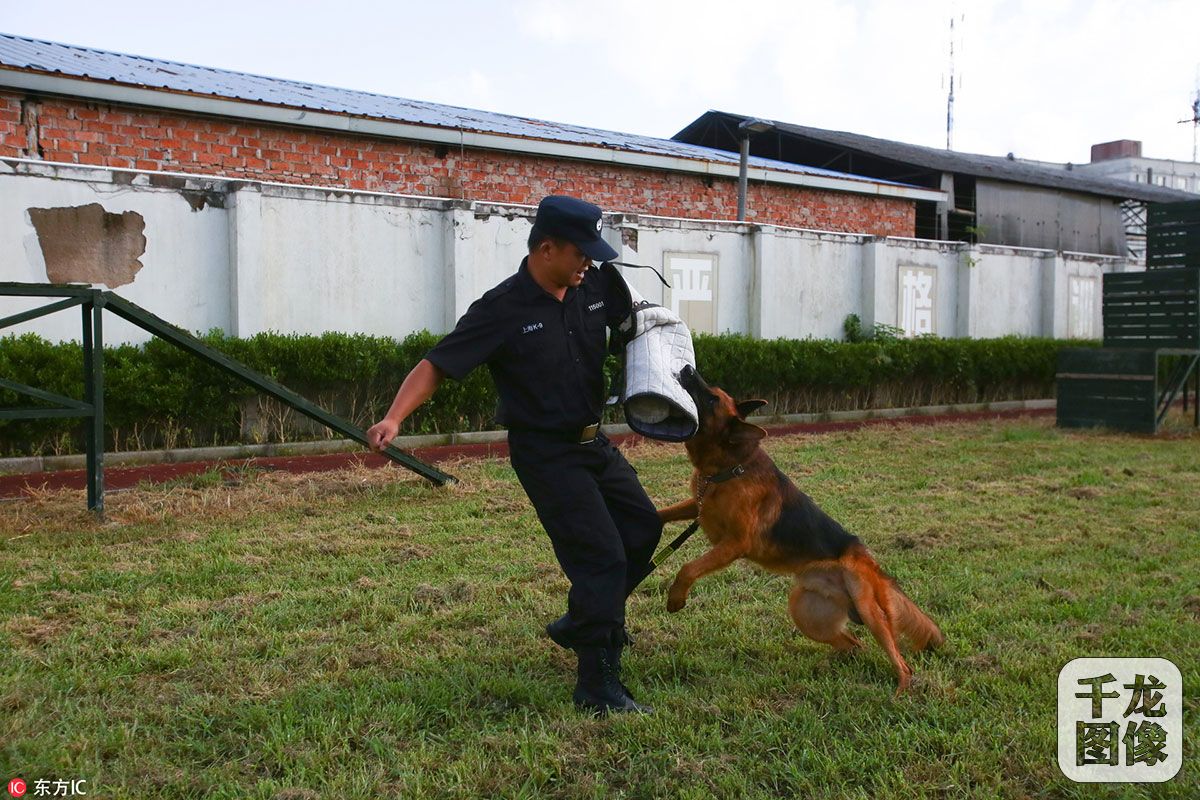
(81, 132)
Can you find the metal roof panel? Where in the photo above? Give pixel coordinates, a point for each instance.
(981, 166)
(23, 53)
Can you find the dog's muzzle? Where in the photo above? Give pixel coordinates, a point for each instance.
(691, 381)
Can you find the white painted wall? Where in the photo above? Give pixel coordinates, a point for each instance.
(341, 263)
(808, 283)
(487, 245)
(889, 259)
(185, 274)
(656, 237)
(1011, 281)
(307, 260)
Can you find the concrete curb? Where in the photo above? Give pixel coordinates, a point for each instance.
(18, 466)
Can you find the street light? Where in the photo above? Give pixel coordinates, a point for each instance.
(745, 129)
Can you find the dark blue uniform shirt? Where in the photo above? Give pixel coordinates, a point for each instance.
(546, 356)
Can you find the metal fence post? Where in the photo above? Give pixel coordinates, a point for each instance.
(93, 394)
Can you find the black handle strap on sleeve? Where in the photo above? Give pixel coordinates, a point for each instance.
(623, 333)
(642, 266)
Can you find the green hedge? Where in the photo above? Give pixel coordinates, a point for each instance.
(159, 396)
(823, 375)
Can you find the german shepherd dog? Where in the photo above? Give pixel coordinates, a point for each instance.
(749, 509)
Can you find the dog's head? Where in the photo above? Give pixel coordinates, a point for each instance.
(723, 428)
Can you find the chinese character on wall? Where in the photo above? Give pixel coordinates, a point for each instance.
(1081, 307)
(915, 302)
(693, 279)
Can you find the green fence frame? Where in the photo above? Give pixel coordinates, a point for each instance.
(91, 408)
(1173, 235)
(1151, 330)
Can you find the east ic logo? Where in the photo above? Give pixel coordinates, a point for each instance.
(1120, 720)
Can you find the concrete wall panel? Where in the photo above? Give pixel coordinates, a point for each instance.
(248, 257)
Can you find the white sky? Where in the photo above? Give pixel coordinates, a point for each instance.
(1044, 79)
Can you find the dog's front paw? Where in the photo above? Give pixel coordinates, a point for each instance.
(676, 599)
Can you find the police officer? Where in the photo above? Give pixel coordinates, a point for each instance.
(542, 334)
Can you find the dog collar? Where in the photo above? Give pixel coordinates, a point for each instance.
(733, 472)
(736, 471)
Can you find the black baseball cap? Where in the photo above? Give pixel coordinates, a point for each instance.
(576, 221)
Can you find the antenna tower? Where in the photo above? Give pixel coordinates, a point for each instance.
(950, 95)
(1195, 120)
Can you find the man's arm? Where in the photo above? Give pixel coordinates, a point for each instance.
(418, 386)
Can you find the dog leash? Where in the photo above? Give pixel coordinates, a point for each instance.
(733, 472)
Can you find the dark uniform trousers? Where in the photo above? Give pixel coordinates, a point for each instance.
(603, 526)
(546, 356)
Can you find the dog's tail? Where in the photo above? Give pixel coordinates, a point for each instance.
(913, 623)
(901, 613)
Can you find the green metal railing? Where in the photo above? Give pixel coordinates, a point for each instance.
(91, 408)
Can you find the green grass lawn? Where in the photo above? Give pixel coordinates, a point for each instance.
(362, 634)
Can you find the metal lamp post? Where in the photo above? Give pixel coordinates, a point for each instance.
(747, 128)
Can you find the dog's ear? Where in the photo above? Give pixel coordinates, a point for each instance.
(747, 407)
(742, 431)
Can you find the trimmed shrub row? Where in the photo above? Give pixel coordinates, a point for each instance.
(159, 396)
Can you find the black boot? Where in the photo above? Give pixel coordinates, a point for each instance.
(557, 632)
(599, 688)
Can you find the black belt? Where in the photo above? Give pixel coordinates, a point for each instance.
(585, 435)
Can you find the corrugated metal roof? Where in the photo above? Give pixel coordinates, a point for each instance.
(22, 53)
(932, 158)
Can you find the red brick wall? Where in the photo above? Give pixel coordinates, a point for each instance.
(12, 130)
(80, 132)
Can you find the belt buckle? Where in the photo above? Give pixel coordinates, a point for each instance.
(588, 434)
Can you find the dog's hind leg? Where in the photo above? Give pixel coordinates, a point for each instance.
(872, 597)
(717, 558)
(820, 608)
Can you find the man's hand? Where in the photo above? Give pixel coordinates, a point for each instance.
(381, 433)
(420, 384)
